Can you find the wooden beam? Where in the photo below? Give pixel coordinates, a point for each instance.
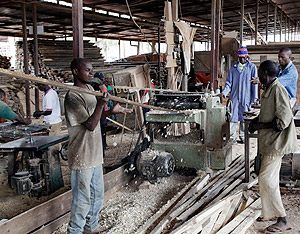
(78, 89)
(275, 20)
(25, 59)
(256, 22)
(77, 24)
(35, 55)
(242, 21)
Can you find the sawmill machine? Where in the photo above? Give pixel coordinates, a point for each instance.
(197, 135)
(34, 164)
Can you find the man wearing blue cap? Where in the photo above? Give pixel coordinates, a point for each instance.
(242, 91)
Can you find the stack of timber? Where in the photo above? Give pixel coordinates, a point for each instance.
(54, 58)
(15, 91)
(260, 53)
(209, 205)
(4, 62)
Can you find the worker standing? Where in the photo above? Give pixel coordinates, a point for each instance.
(287, 74)
(276, 137)
(242, 92)
(51, 109)
(85, 152)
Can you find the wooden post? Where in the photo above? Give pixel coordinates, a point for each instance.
(267, 20)
(289, 31)
(275, 18)
(280, 27)
(77, 24)
(119, 43)
(256, 22)
(175, 10)
(35, 55)
(25, 52)
(285, 28)
(153, 46)
(242, 21)
(138, 48)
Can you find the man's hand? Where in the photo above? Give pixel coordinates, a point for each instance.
(255, 80)
(254, 125)
(103, 99)
(117, 109)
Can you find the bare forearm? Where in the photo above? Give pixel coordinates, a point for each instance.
(94, 119)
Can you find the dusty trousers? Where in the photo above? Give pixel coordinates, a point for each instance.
(269, 190)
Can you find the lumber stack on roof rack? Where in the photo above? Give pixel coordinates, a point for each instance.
(207, 205)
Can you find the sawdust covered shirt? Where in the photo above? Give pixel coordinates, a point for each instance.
(275, 103)
(85, 147)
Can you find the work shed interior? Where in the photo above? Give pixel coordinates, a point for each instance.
(178, 72)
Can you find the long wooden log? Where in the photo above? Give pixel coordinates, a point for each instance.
(77, 89)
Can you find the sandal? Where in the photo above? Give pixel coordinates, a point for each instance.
(274, 228)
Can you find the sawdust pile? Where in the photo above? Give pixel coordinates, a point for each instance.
(131, 208)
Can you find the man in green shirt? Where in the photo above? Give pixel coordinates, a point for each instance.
(7, 113)
(276, 137)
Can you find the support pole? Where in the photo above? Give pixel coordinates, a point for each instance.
(77, 23)
(35, 55)
(280, 27)
(275, 19)
(158, 57)
(25, 52)
(256, 22)
(285, 28)
(242, 21)
(119, 48)
(212, 42)
(289, 29)
(267, 20)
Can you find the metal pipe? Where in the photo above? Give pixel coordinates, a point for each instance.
(25, 52)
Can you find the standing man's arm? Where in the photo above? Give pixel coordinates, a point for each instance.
(94, 119)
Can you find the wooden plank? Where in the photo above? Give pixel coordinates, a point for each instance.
(205, 213)
(173, 204)
(238, 219)
(213, 192)
(225, 214)
(211, 184)
(208, 228)
(50, 227)
(38, 215)
(77, 89)
(242, 228)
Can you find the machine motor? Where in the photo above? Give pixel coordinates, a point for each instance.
(153, 164)
(21, 182)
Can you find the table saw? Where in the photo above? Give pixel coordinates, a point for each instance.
(32, 166)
